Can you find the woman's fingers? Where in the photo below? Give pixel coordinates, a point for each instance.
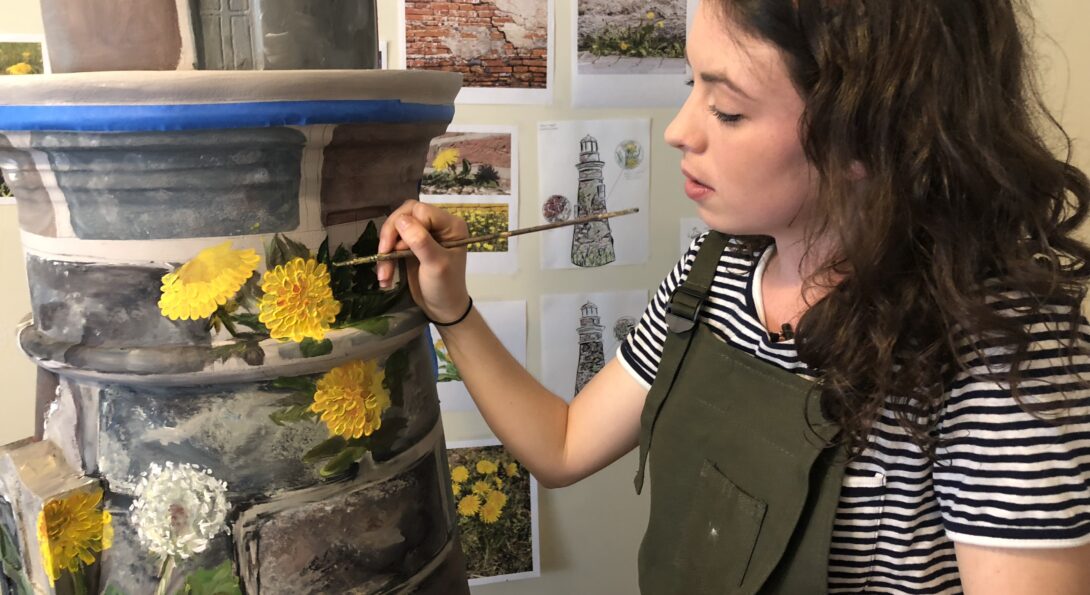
(420, 227)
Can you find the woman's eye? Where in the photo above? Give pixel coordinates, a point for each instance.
(723, 116)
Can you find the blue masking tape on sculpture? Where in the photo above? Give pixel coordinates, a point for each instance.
(137, 118)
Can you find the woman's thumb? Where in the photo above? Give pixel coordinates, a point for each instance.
(420, 241)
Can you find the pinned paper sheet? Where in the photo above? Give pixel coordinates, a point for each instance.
(508, 321)
(587, 167)
(580, 332)
(472, 171)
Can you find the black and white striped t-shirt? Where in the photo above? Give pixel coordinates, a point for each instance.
(1003, 479)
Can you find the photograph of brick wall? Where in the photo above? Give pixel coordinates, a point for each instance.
(493, 43)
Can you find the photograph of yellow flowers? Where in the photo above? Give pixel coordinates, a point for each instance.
(496, 502)
(19, 55)
(502, 48)
(473, 161)
(629, 53)
(508, 320)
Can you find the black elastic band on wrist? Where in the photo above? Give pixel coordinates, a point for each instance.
(460, 318)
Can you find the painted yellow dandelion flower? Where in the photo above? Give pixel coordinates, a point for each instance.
(446, 159)
(298, 301)
(469, 505)
(650, 15)
(486, 467)
(71, 531)
(482, 487)
(351, 399)
(459, 473)
(512, 469)
(497, 498)
(490, 513)
(20, 68)
(201, 285)
(456, 488)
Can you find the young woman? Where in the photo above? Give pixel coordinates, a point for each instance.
(868, 377)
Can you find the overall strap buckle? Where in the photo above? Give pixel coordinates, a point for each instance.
(683, 310)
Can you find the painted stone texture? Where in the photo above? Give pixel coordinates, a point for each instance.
(35, 209)
(227, 429)
(497, 43)
(103, 35)
(368, 169)
(213, 183)
(95, 305)
(355, 539)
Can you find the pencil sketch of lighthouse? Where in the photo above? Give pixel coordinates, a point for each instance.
(592, 243)
(591, 352)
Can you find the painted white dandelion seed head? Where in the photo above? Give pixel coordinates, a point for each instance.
(178, 509)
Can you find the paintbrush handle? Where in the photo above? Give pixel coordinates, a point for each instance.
(488, 238)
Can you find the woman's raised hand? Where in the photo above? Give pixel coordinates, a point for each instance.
(437, 276)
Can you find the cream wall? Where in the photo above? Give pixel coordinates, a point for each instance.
(589, 532)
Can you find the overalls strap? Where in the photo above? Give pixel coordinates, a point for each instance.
(682, 316)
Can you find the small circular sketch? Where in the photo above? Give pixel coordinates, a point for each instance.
(556, 208)
(629, 154)
(623, 326)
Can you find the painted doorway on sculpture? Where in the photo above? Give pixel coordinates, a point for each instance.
(225, 38)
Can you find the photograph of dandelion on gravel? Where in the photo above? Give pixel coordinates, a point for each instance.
(492, 496)
(482, 219)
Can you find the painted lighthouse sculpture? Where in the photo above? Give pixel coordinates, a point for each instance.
(592, 242)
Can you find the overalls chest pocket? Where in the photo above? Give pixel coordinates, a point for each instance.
(723, 524)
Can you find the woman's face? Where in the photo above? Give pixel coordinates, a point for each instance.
(738, 132)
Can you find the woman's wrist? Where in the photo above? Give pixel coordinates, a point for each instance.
(465, 313)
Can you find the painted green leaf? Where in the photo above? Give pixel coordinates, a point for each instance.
(341, 277)
(274, 255)
(299, 383)
(293, 249)
(220, 580)
(342, 462)
(367, 244)
(327, 448)
(292, 414)
(311, 348)
(379, 325)
(323, 253)
(112, 590)
(11, 566)
(381, 443)
(251, 321)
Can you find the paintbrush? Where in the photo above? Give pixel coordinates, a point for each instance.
(488, 238)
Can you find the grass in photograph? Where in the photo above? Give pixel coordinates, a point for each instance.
(492, 492)
(644, 39)
(482, 220)
(21, 58)
(450, 174)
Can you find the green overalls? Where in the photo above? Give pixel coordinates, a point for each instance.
(743, 487)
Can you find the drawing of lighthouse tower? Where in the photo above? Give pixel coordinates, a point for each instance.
(592, 243)
(591, 352)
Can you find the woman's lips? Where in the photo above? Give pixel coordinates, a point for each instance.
(695, 190)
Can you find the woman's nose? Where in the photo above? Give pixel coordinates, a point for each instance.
(686, 131)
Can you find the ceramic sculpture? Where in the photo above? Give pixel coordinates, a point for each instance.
(222, 410)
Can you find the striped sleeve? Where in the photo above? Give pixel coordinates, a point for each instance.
(1005, 477)
(641, 350)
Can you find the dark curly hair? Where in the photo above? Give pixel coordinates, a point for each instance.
(963, 202)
